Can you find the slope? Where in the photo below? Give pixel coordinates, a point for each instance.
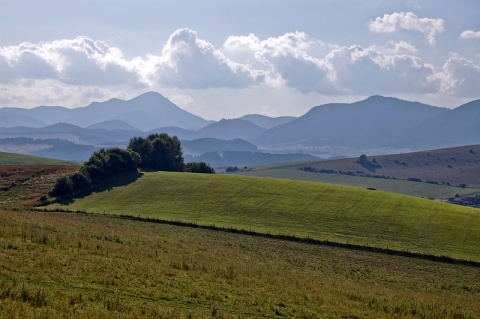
(448, 166)
(460, 126)
(375, 122)
(320, 211)
(265, 121)
(11, 158)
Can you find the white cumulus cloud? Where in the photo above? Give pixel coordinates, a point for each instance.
(369, 70)
(470, 34)
(80, 61)
(287, 60)
(83, 68)
(185, 62)
(189, 62)
(410, 22)
(461, 77)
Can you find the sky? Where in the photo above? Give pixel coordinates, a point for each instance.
(224, 59)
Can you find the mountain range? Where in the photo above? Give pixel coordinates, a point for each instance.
(376, 125)
(145, 112)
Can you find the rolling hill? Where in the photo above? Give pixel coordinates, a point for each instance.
(113, 125)
(231, 129)
(452, 166)
(206, 145)
(266, 121)
(18, 159)
(319, 211)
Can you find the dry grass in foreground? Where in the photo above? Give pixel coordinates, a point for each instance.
(82, 266)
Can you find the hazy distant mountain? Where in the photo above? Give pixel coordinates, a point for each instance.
(231, 129)
(265, 121)
(145, 112)
(12, 119)
(376, 122)
(50, 148)
(70, 132)
(205, 145)
(181, 133)
(113, 125)
(457, 127)
(245, 158)
(377, 125)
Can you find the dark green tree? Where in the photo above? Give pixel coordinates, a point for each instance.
(62, 188)
(159, 152)
(199, 167)
(102, 165)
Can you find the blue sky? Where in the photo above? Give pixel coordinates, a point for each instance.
(224, 59)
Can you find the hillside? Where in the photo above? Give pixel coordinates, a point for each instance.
(231, 129)
(80, 266)
(57, 149)
(206, 145)
(75, 265)
(112, 125)
(13, 158)
(454, 166)
(320, 211)
(266, 121)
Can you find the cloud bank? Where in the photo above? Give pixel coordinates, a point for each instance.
(293, 60)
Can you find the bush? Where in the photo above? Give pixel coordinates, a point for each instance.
(80, 182)
(199, 167)
(62, 188)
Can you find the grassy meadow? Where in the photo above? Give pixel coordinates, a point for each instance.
(12, 158)
(65, 265)
(404, 187)
(75, 265)
(304, 209)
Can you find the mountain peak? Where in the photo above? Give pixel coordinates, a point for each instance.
(149, 96)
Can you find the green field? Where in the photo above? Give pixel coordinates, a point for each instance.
(92, 266)
(305, 209)
(12, 158)
(388, 185)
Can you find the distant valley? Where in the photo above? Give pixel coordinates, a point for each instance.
(376, 125)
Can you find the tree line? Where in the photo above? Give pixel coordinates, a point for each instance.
(159, 152)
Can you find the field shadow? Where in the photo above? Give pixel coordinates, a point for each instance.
(108, 185)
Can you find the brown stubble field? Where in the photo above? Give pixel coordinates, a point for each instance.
(22, 185)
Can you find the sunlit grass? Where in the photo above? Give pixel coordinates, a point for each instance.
(83, 266)
(404, 187)
(12, 158)
(320, 211)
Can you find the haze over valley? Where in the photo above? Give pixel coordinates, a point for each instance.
(376, 125)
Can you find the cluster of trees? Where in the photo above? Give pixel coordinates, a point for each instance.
(371, 166)
(156, 152)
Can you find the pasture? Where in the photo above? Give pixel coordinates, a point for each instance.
(58, 265)
(303, 209)
(397, 186)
